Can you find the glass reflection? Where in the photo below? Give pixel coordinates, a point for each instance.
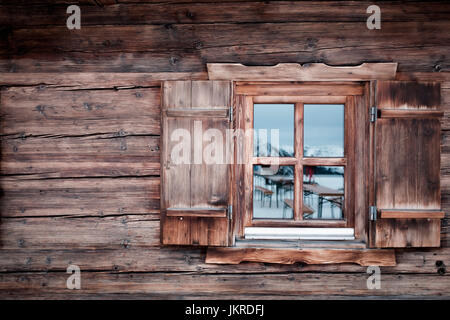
(273, 130)
(323, 192)
(323, 130)
(273, 192)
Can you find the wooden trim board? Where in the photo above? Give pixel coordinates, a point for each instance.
(409, 113)
(98, 80)
(305, 72)
(411, 214)
(363, 257)
(198, 112)
(318, 90)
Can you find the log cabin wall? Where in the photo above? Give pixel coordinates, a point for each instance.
(80, 139)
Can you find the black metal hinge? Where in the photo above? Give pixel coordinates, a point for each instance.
(230, 212)
(373, 213)
(373, 114)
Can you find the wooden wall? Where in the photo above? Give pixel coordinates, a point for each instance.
(80, 139)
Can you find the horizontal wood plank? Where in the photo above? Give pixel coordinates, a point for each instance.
(408, 113)
(398, 95)
(96, 80)
(305, 72)
(45, 111)
(411, 214)
(303, 99)
(116, 231)
(198, 113)
(82, 197)
(186, 47)
(362, 257)
(300, 89)
(103, 155)
(197, 212)
(163, 12)
(203, 286)
(190, 259)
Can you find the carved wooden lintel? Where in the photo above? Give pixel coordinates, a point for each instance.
(363, 257)
(305, 72)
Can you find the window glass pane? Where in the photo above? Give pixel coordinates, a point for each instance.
(323, 192)
(274, 130)
(323, 130)
(273, 192)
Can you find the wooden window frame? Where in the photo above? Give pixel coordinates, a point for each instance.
(297, 93)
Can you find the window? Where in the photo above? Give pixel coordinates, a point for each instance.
(324, 160)
(300, 170)
(320, 135)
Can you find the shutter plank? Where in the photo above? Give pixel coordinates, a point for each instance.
(196, 195)
(407, 165)
(411, 214)
(177, 94)
(385, 151)
(211, 94)
(405, 233)
(429, 192)
(408, 95)
(408, 113)
(209, 231)
(198, 113)
(176, 230)
(176, 175)
(207, 180)
(197, 212)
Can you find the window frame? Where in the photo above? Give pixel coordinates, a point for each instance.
(297, 93)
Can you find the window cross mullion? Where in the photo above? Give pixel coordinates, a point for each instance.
(298, 150)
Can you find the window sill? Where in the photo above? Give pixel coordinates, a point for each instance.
(300, 244)
(290, 252)
(299, 233)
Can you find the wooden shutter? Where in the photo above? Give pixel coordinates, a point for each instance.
(407, 165)
(195, 196)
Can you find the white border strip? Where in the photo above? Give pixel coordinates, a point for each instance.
(299, 233)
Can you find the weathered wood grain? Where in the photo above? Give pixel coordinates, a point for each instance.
(198, 12)
(362, 257)
(406, 233)
(198, 212)
(305, 72)
(234, 286)
(189, 259)
(179, 36)
(95, 80)
(82, 197)
(361, 166)
(416, 156)
(414, 261)
(411, 214)
(299, 89)
(105, 155)
(195, 182)
(408, 95)
(43, 111)
(186, 47)
(108, 80)
(80, 232)
(408, 171)
(407, 113)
